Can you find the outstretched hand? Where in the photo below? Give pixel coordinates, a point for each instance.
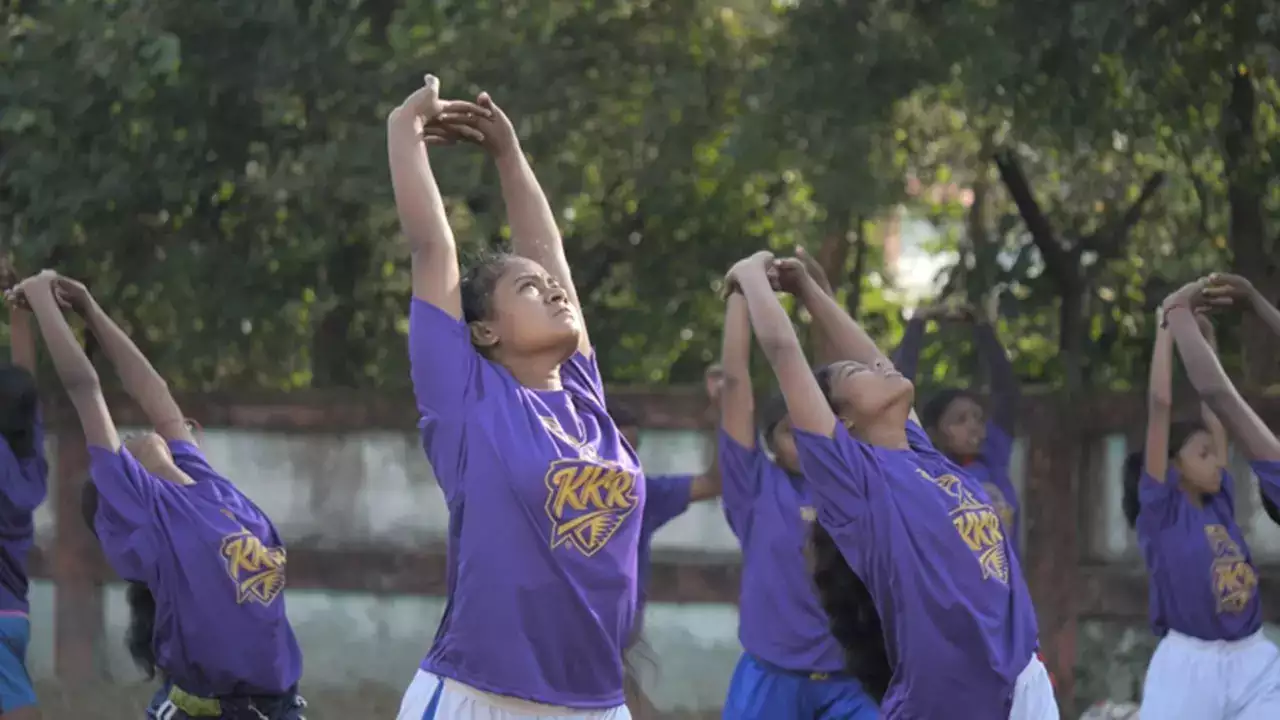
(425, 104)
(814, 269)
(16, 296)
(1224, 289)
(762, 261)
(492, 129)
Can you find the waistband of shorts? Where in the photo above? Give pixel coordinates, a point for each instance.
(1216, 645)
(198, 706)
(506, 702)
(807, 674)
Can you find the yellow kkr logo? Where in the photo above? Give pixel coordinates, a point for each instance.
(1002, 506)
(1234, 580)
(257, 570)
(978, 526)
(587, 503)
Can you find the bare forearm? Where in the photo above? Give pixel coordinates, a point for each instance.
(737, 403)
(1268, 312)
(22, 340)
(418, 201)
(136, 373)
(534, 233)
(773, 329)
(848, 340)
(69, 359)
(1160, 377)
(1216, 390)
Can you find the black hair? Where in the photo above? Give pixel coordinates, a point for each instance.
(855, 623)
(771, 415)
(478, 283)
(142, 604)
(933, 410)
(1269, 507)
(623, 417)
(18, 402)
(1179, 433)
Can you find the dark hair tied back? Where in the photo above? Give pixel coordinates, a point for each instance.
(479, 282)
(1135, 464)
(18, 403)
(932, 412)
(140, 635)
(855, 623)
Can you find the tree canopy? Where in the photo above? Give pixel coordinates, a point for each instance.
(216, 171)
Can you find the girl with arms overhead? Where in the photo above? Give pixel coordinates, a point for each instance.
(206, 567)
(978, 439)
(959, 629)
(1213, 661)
(545, 496)
(792, 665)
(25, 475)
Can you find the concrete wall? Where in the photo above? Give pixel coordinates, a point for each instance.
(376, 489)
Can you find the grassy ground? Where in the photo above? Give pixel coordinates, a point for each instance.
(128, 702)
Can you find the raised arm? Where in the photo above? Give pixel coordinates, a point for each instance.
(140, 379)
(534, 233)
(1239, 290)
(806, 405)
(1005, 391)
(1211, 380)
(1159, 406)
(72, 365)
(737, 400)
(435, 272)
(1211, 421)
(708, 484)
(824, 351)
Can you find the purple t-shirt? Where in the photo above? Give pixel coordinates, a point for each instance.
(668, 498)
(780, 620)
(215, 565)
(924, 537)
(23, 488)
(1202, 579)
(1268, 472)
(991, 468)
(545, 505)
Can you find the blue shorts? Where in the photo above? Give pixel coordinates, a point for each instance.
(760, 691)
(171, 703)
(16, 690)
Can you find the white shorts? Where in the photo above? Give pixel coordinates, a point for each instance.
(1192, 679)
(430, 697)
(1033, 694)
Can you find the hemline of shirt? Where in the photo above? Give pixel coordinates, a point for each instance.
(574, 702)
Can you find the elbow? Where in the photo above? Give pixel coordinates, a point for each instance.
(778, 345)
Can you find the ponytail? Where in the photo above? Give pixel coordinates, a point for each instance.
(855, 623)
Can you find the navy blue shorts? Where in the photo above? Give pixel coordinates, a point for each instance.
(16, 690)
(760, 691)
(170, 703)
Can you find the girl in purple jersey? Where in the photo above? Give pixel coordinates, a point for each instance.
(1213, 661)
(978, 439)
(960, 632)
(792, 664)
(25, 478)
(545, 496)
(205, 566)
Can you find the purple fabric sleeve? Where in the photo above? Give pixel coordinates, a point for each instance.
(740, 482)
(127, 496)
(841, 471)
(666, 498)
(1268, 473)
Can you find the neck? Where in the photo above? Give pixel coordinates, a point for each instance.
(887, 436)
(537, 372)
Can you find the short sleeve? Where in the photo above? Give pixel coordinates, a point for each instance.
(126, 506)
(1158, 502)
(840, 470)
(25, 479)
(443, 364)
(740, 470)
(190, 459)
(666, 498)
(1268, 473)
(580, 376)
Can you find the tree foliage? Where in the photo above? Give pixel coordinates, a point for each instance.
(215, 170)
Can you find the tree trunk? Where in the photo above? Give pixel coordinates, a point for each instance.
(1251, 256)
(853, 299)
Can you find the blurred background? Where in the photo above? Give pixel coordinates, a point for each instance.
(215, 172)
